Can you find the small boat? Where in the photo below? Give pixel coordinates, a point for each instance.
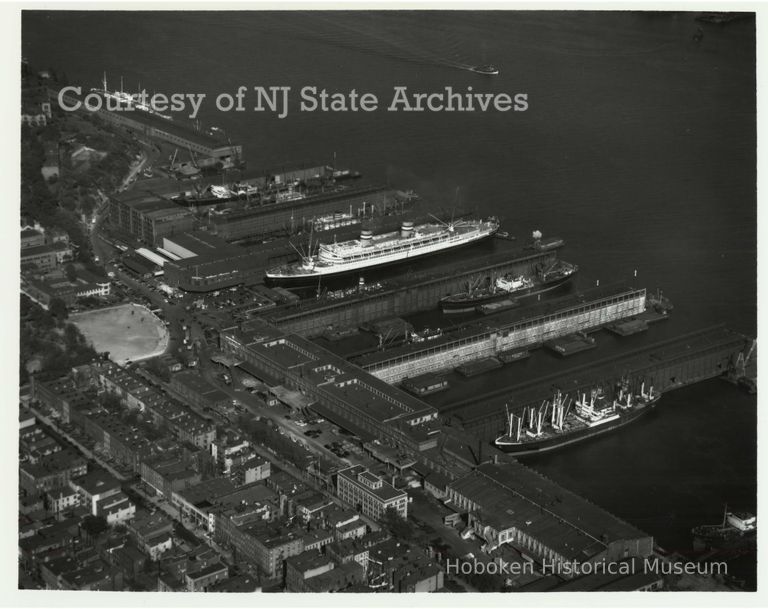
(737, 531)
(488, 69)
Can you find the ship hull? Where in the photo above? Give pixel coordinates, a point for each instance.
(460, 303)
(725, 542)
(567, 438)
(301, 277)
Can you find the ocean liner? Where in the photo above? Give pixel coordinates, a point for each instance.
(377, 250)
(561, 421)
(509, 286)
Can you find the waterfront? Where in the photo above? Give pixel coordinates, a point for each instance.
(638, 148)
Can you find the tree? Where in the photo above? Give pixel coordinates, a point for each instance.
(71, 272)
(111, 401)
(93, 526)
(156, 367)
(58, 309)
(397, 525)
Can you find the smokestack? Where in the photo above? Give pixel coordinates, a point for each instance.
(406, 230)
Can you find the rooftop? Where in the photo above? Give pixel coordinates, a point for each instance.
(247, 495)
(206, 571)
(203, 243)
(43, 249)
(385, 492)
(96, 482)
(207, 493)
(198, 384)
(333, 375)
(309, 559)
(510, 494)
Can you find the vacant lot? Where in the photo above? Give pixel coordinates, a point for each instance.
(128, 332)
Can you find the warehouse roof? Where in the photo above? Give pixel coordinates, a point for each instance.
(511, 495)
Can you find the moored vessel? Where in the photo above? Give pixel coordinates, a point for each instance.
(217, 193)
(500, 288)
(738, 530)
(562, 421)
(378, 250)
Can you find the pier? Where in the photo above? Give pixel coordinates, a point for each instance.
(667, 365)
(518, 330)
(409, 295)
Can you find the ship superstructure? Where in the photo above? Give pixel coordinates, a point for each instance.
(491, 290)
(377, 250)
(562, 421)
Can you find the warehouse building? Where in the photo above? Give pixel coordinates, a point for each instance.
(207, 263)
(340, 391)
(147, 218)
(509, 503)
(211, 150)
(232, 224)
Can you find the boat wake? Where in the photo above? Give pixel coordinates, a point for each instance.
(381, 41)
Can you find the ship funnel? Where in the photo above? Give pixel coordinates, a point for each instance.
(406, 230)
(366, 238)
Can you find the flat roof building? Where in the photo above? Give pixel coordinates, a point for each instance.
(509, 503)
(148, 218)
(342, 389)
(365, 491)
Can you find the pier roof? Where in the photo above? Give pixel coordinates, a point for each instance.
(511, 495)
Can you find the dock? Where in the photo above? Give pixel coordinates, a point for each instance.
(511, 330)
(628, 328)
(514, 355)
(501, 305)
(668, 365)
(405, 296)
(571, 344)
(479, 366)
(425, 384)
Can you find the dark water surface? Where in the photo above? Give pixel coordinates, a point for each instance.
(638, 148)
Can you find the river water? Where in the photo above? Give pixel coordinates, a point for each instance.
(637, 147)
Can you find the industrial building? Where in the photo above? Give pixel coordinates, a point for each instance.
(339, 390)
(197, 391)
(522, 330)
(363, 490)
(211, 150)
(206, 263)
(509, 503)
(148, 218)
(233, 224)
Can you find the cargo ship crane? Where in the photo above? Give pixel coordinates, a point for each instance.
(737, 370)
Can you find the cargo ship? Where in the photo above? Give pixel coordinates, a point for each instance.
(737, 531)
(388, 248)
(509, 286)
(122, 101)
(560, 421)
